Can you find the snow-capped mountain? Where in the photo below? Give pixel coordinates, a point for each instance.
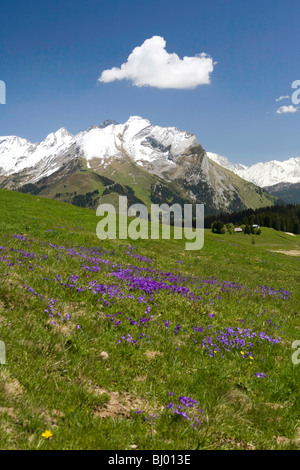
(16, 153)
(223, 161)
(137, 138)
(155, 148)
(12, 150)
(274, 172)
(146, 162)
(263, 174)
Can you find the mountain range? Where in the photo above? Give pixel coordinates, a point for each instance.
(282, 179)
(149, 164)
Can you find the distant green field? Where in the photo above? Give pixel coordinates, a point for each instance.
(121, 344)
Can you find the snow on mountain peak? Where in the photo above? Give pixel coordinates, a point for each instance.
(63, 132)
(60, 136)
(17, 154)
(11, 149)
(263, 174)
(137, 118)
(137, 139)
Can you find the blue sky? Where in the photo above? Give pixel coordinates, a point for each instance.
(52, 54)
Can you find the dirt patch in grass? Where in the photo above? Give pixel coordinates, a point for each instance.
(288, 252)
(237, 396)
(6, 428)
(51, 417)
(275, 406)
(153, 354)
(287, 440)
(228, 442)
(65, 328)
(140, 378)
(100, 314)
(9, 411)
(118, 405)
(9, 385)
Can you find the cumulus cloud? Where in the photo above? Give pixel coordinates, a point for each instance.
(287, 109)
(282, 98)
(151, 65)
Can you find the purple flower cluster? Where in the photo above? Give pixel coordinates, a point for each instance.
(188, 408)
(20, 237)
(261, 375)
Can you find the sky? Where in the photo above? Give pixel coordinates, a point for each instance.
(213, 68)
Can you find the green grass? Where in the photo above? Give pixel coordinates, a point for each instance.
(58, 377)
(77, 183)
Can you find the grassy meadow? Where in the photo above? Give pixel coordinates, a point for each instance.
(118, 344)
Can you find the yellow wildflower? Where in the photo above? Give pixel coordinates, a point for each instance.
(47, 434)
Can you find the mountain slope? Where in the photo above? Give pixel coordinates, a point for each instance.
(288, 192)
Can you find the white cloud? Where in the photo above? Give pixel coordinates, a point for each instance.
(151, 65)
(282, 98)
(287, 109)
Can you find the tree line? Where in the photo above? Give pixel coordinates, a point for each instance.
(282, 218)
